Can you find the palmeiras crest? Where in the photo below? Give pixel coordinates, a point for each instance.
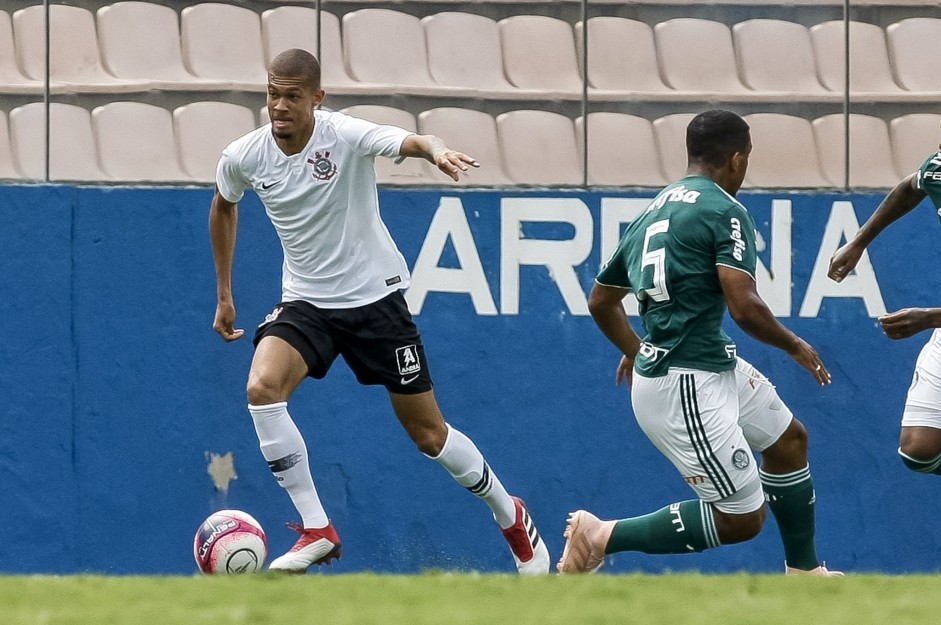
(740, 458)
(324, 168)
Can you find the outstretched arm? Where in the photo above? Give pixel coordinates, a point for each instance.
(433, 149)
(910, 321)
(223, 225)
(607, 309)
(900, 200)
(753, 316)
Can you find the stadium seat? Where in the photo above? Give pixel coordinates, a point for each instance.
(387, 48)
(464, 50)
(411, 170)
(670, 131)
(622, 150)
(914, 137)
(136, 143)
(775, 55)
(72, 154)
(222, 42)
(914, 50)
(622, 55)
(12, 80)
(287, 27)
(539, 148)
(7, 170)
(75, 59)
(141, 41)
(202, 129)
(870, 151)
(870, 74)
(784, 153)
(539, 53)
(697, 55)
(472, 132)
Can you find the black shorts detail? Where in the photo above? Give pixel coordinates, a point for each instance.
(379, 341)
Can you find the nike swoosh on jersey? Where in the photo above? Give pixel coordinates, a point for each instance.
(269, 185)
(405, 380)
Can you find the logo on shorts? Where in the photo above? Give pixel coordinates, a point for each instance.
(407, 359)
(740, 458)
(272, 315)
(324, 168)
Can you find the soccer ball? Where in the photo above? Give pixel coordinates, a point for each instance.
(230, 541)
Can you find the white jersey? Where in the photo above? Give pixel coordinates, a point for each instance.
(324, 205)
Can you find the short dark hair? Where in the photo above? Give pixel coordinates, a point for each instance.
(714, 136)
(297, 63)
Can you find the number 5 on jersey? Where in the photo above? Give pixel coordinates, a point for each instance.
(656, 259)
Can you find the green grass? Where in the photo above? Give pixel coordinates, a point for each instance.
(458, 599)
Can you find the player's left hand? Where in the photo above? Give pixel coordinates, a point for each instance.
(906, 322)
(807, 357)
(625, 372)
(453, 163)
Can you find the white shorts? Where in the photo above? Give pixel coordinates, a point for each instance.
(923, 403)
(761, 413)
(707, 425)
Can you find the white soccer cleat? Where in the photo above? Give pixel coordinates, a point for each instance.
(586, 537)
(820, 571)
(527, 546)
(315, 546)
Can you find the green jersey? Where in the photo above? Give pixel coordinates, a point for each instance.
(668, 258)
(929, 179)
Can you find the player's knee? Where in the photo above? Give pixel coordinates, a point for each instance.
(795, 438)
(738, 528)
(430, 441)
(789, 452)
(750, 526)
(262, 390)
(918, 448)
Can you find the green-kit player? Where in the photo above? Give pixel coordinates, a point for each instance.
(687, 258)
(920, 438)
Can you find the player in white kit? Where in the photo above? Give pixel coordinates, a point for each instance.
(341, 296)
(920, 438)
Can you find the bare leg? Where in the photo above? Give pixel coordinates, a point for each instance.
(788, 453)
(277, 370)
(920, 442)
(422, 419)
(737, 528)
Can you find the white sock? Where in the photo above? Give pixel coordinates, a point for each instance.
(283, 447)
(461, 458)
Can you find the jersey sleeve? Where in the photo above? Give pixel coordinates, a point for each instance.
(614, 272)
(367, 138)
(734, 233)
(230, 180)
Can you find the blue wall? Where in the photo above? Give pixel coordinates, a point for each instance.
(116, 393)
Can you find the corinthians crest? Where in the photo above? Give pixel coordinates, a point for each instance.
(324, 168)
